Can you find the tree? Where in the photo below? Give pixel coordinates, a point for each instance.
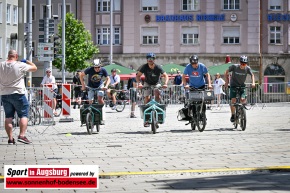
(79, 47)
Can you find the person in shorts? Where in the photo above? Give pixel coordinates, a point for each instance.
(95, 81)
(153, 73)
(239, 74)
(12, 91)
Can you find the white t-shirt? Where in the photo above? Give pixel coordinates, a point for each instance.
(12, 77)
(114, 79)
(217, 86)
(49, 80)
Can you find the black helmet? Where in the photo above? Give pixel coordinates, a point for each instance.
(244, 59)
(193, 59)
(150, 55)
(114, 70)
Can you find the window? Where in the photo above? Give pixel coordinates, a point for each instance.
(33, 12)
(274, 79)
(190, 35)
(149, 35)
(275, 4)
(15, 15)
(190, 5)
(13, 44)
(275, 35)
(1, 11)
(104, 35)
(67, 10)
(149, 5)
(231, 4)
(8, 14)
(103, 5)
(44, 11)
(231, 35)
(7, 46)
(41, 38)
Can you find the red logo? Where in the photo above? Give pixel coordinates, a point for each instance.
(195, 73)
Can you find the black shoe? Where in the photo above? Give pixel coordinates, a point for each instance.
(133, 116)
(11, 142)
(233, 118)
(74, 107)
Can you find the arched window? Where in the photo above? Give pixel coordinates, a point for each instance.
(274, 79)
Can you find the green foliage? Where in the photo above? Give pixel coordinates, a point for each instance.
(79, 46)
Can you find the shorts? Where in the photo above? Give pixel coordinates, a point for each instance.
(77, 93)
(147, 92)
(15, 103)
(133, 95)
(233, 93)
(92, 91)
(55, 91)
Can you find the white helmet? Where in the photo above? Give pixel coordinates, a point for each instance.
(97, 62)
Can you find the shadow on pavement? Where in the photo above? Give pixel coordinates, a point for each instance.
(240, 182)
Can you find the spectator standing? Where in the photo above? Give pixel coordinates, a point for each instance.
(12, 91)
(77, 89)
(132, 88)
(50, 79)
(218, 88)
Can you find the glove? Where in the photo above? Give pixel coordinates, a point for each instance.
(23, 60)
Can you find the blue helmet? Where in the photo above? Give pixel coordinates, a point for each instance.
(244, 59)
(151, 55)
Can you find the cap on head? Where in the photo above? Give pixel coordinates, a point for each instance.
(78, 70)
(244, 59)
(114, 70)
(47, 70)
(97, 62)
(193, 59)
(217, 74)
(150, 55)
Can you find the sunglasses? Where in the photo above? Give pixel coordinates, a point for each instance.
(243, 64)
(194, 63)
(150, 58)
(97, 67)
(48, 72)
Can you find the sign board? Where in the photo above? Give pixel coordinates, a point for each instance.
(42, 58)
(45, 48)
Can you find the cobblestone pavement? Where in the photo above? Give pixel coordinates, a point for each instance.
(175, 159)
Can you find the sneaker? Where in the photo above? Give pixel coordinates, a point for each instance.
(133, 116)
(114, 107)
(102, 123)
(23, 139)
(146, 124)
(11, 142)
(233, 118)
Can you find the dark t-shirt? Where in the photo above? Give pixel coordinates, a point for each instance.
(152, 76)
(130, 82)
(177, 79)
(76, 80)
(239, 75)
(95, 78)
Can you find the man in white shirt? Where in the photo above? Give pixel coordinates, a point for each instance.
(50, 79)
(114, 85)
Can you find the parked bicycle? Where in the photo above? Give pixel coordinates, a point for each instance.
(195, 108)
(34, 115)
(153, 113)
(91, 114)
(240, 110)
